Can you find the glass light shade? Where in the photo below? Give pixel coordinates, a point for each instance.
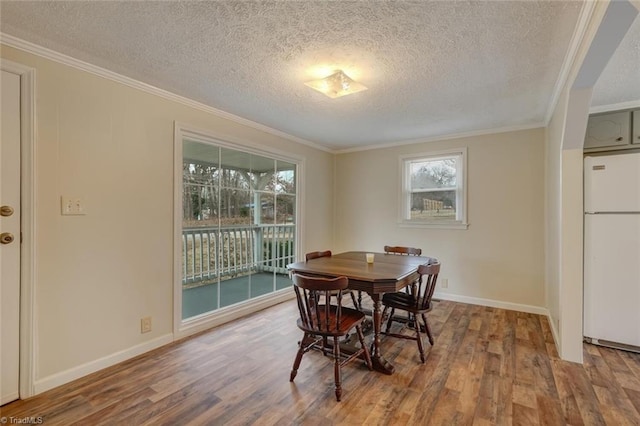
(336, 85)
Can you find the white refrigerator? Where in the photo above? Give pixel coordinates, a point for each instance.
(612, 250)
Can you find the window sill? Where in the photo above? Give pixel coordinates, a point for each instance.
(434, 225)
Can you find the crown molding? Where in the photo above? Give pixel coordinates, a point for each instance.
(586, 12)
(61, 58)
(474, 133)
(615, 107)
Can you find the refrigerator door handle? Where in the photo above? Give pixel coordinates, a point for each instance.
(629, 212)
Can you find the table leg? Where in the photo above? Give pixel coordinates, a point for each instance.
(379, 363)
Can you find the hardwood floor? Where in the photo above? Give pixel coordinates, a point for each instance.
(488, 366)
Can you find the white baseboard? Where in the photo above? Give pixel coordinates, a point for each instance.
(492, 303)
(8, 398)
(539, 310)
(196, 326)
(554, 332)
(201, 324)
(74, 373)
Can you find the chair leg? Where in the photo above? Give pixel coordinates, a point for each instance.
(410, 321)
(426, 327)
(383, 316)
(419, 339)
(355, 302)
(411, 289)
(367, 356)
(390, 320)
(296, 363)
(336, 368)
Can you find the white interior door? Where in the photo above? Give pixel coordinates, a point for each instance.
(10, 237)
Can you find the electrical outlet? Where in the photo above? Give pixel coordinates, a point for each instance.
(444, 283)
(145, 325)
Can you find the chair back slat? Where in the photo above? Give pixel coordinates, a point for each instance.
(411, 251)
(317, 254)
(302, 305)
(426, 284)
(310, 291)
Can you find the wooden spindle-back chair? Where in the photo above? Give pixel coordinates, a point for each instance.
(327, 253)
(417, 304)
(320, 321)
(411, 251)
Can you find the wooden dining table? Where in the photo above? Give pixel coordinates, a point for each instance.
(387, 273)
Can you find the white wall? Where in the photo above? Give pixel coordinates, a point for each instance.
(564, 229)
(553, 173)
(97, 275)
(500, 258)
(603, 29)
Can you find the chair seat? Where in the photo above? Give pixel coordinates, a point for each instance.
(406, 302)
(349, 318)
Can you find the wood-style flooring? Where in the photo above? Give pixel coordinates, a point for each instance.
(488, 367)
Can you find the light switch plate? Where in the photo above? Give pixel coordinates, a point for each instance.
(73, 206)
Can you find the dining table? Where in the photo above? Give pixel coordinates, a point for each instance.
(387, 273)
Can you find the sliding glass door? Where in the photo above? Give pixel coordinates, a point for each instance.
(238, 225)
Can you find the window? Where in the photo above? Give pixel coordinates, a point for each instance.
(434, 189)
(237, 223)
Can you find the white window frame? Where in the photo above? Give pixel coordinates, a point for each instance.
(183, 328)
(404, 201)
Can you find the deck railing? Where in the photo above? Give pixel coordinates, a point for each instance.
(212, 252)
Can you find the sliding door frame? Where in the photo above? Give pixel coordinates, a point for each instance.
(186, 327)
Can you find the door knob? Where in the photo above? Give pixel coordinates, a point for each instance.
(6, 238)
(6, 211)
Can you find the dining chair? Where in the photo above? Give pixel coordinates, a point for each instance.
(416, 304)
(322, 321)
(327, 253)
(317, 254)
(411, 251)
(407, 251)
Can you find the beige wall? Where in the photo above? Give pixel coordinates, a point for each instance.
(97, 275)
(500, 257)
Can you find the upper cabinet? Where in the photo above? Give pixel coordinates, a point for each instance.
(609, 129)
(635, 138)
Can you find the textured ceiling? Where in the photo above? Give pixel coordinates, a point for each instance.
(432, 68)
(620, 80)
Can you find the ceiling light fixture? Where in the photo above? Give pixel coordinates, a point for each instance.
(336, 85)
